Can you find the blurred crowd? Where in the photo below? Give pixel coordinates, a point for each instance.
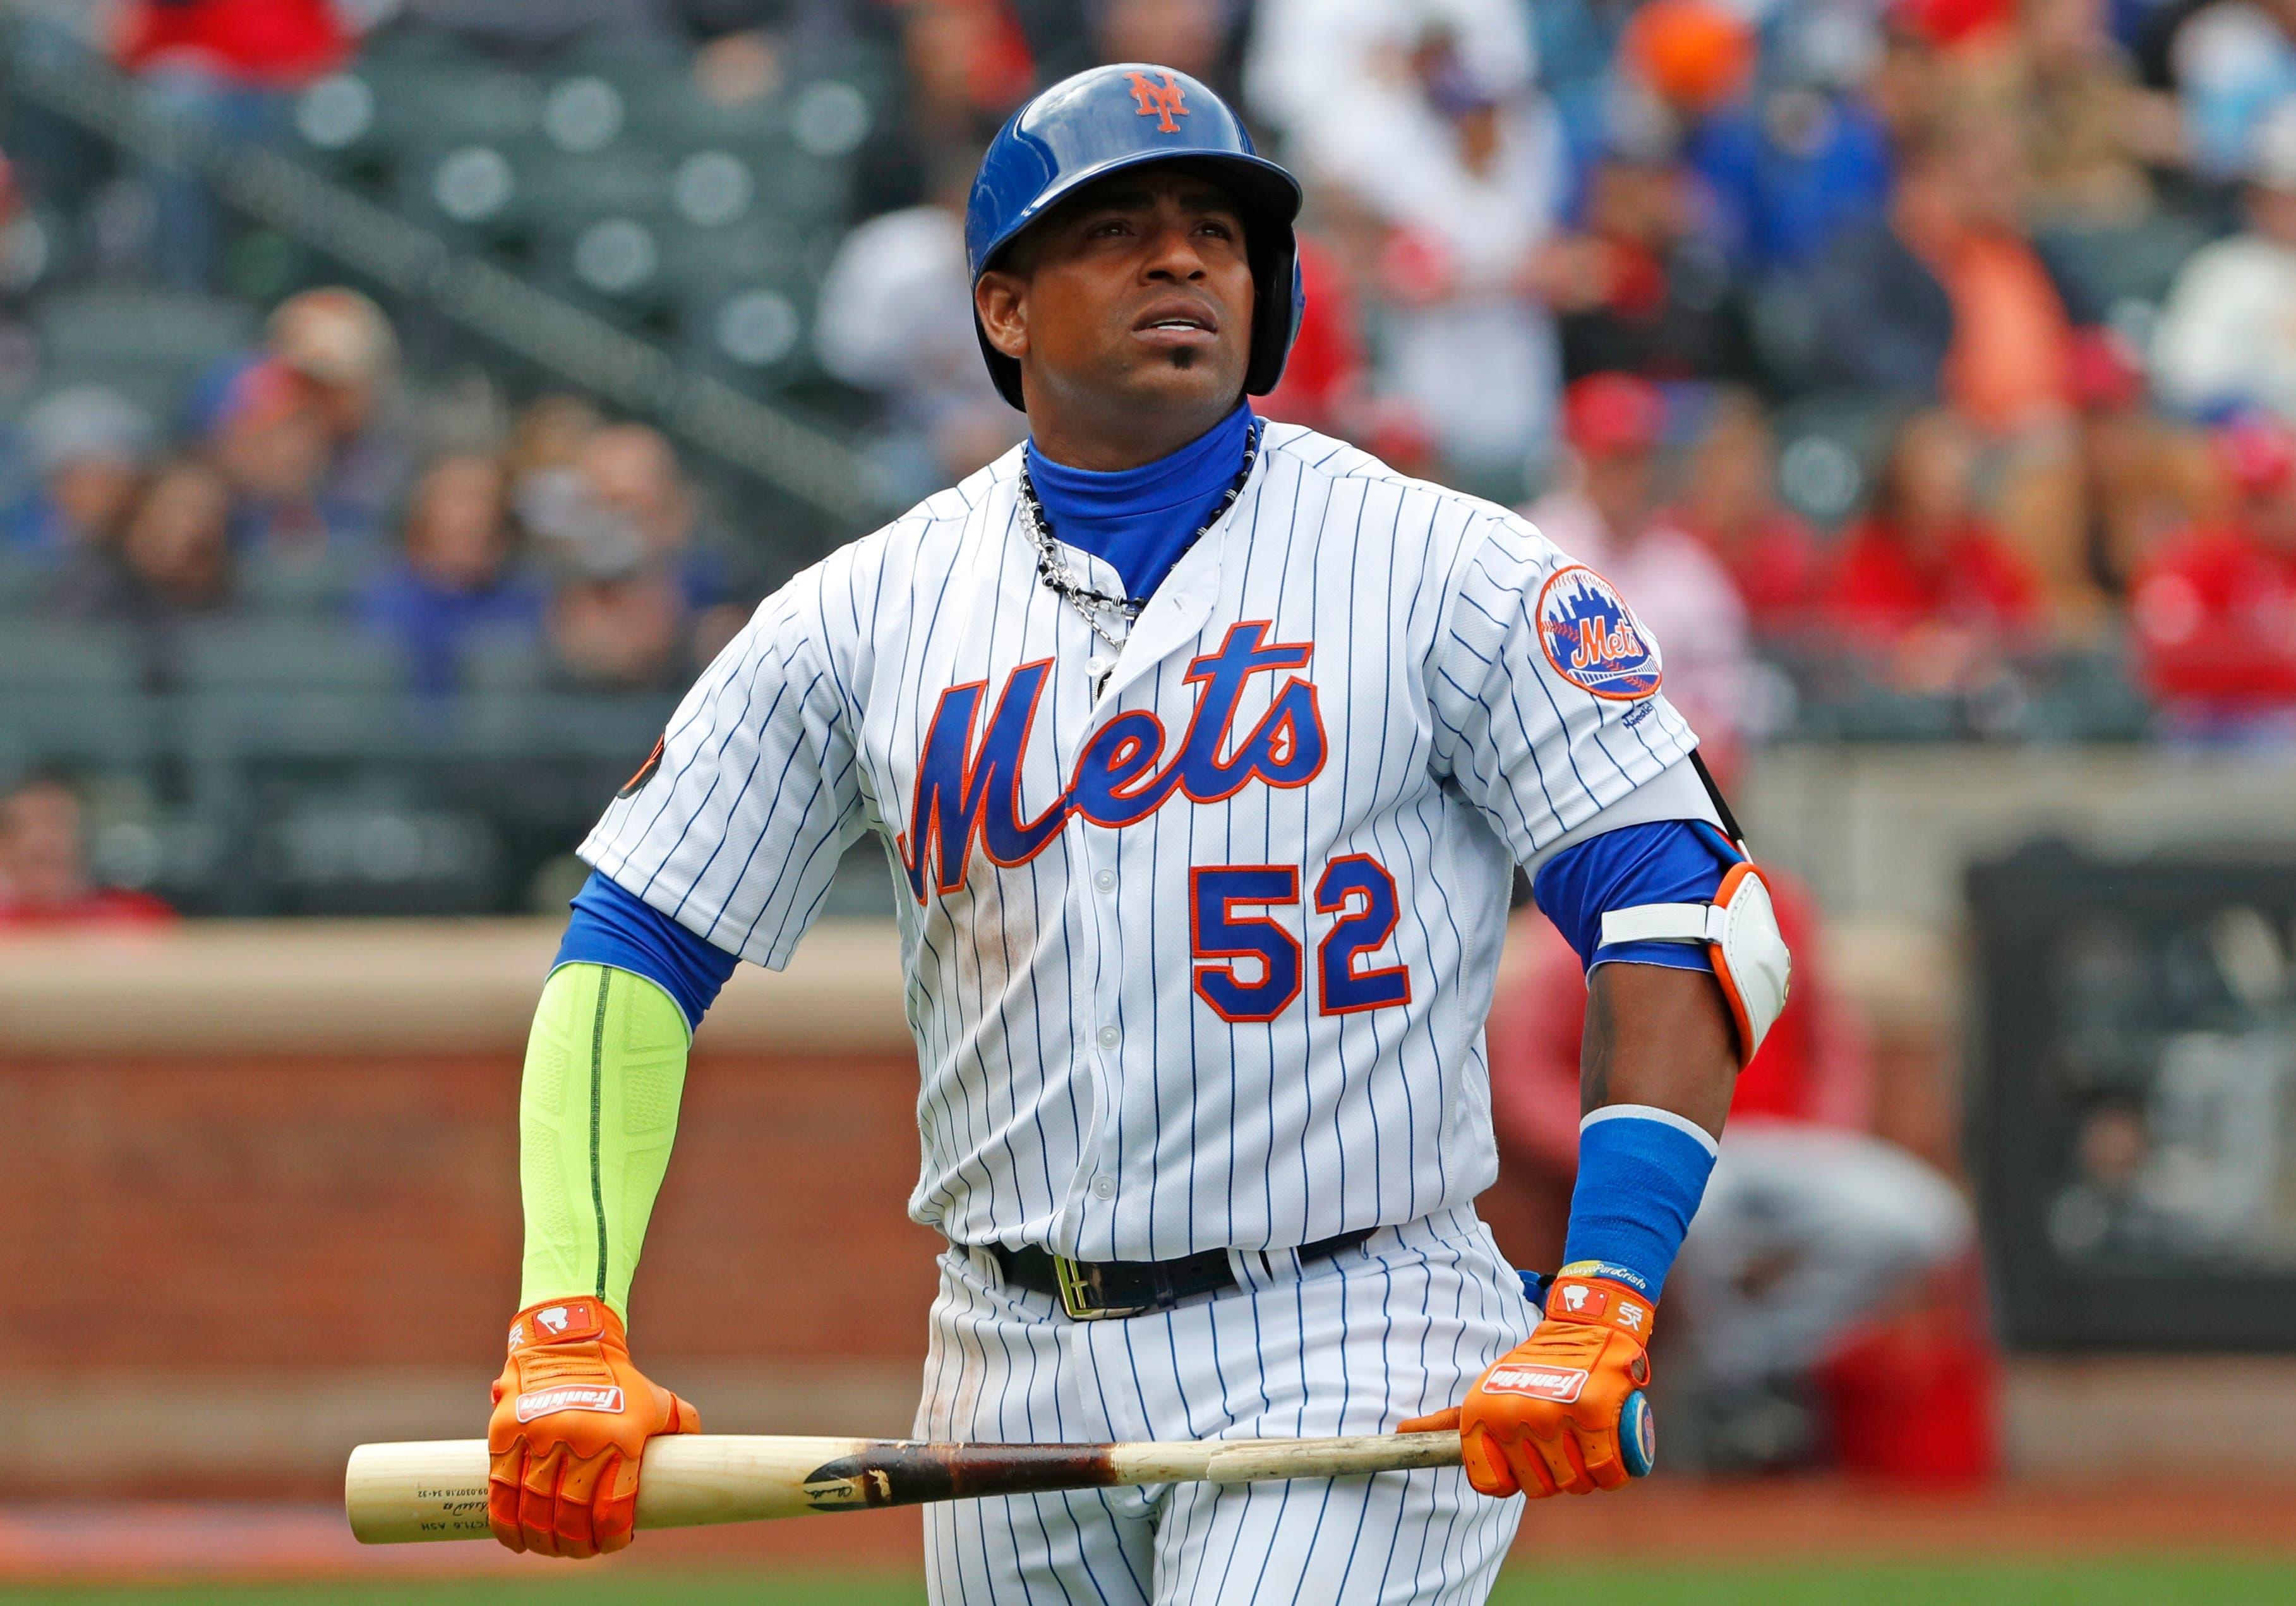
(566, 540)
(1936, 336)
(2019, 275)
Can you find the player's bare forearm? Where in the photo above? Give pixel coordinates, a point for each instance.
(1659, 1037)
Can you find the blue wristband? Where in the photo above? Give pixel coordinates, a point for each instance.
(1642, 1172)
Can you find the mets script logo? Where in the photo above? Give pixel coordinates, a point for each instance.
(1592, 639)
(1162, 99)
(968, 791)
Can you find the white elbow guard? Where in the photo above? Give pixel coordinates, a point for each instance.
(1739, 929)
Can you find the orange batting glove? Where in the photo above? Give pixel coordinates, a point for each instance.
(571, 1418)
(1545, 1419)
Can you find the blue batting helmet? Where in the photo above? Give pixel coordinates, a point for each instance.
(1130, 115)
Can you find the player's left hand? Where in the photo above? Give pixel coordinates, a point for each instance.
(1545, 1419)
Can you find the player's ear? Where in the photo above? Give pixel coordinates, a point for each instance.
(1000, 299)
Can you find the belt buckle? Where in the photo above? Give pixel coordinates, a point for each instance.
(1080, 1293)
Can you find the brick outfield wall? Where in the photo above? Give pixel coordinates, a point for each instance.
(256, 1208)
(299, 1214)
(249, 1266)
(222, 1273)
(259, 1188)
(261, 1200)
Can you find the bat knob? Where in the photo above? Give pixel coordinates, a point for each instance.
(1638, 1435)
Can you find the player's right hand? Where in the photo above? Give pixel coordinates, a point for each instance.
(572, 1418)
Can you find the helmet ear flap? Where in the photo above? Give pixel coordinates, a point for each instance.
(1275, 320)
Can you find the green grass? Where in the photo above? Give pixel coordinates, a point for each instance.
(2150, 1581)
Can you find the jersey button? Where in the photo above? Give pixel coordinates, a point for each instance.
(1105, 881)
(1110, 1036)
(1106, 1188)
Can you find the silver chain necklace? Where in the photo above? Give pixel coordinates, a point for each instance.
(1098, 606)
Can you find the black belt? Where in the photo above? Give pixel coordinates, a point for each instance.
(1094, 1291)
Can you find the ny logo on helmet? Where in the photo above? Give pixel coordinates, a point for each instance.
(1159, 99)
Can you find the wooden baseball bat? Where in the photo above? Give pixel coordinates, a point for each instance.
(406, 1493)
(398, 1494)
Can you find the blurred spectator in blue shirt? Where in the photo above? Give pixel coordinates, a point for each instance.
(263, 428)
(90, 447)
(172, 565)
(1805, 157)
(341, 346)
(455, 579)
(632, 473)
(1576, 44)
(1884, 320)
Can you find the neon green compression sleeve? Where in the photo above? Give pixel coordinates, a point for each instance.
(597, 1112)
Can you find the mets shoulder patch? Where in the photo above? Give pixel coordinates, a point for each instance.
(1593, 639)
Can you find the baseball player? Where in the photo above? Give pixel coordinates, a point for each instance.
(1202, 749)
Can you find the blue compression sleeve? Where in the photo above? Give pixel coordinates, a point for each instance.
(613, 928)
(1642, 1172)
(1665, 862)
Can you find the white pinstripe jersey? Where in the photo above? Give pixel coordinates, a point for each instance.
(1203, 963)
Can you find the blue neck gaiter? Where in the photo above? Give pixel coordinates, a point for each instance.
(1142, 520)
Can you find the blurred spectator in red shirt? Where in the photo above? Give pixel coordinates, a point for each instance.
(233, 65)
(1324, 378)
(2215, 611)
(43, 874)
(1729, 500)
(1606, 515)
(2009, 366)
(1948, 299)
(342, 346)
(1641, 288)
(270, 44)
(2142, 477)
(1923, 579)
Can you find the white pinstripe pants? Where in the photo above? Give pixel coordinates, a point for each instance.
(1400, 1325)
